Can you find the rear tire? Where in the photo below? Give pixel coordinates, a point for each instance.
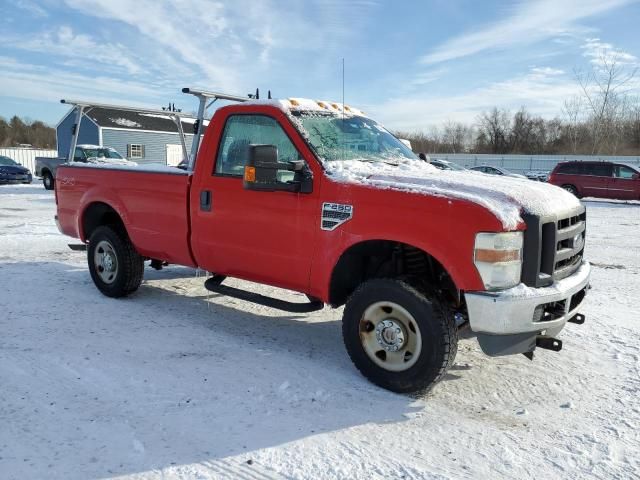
(571, 189)
(115, 266)
(48, 181)
(398, 337)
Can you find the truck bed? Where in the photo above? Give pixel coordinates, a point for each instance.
(151, 200)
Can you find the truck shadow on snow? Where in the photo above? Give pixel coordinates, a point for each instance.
(101, 386)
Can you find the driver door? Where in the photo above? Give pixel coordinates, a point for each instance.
(262, 236)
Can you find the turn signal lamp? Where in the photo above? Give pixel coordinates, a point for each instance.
(498, 259)
(249, 174)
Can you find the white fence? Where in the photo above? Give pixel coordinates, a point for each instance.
(515, 163)
(526, 163)
(27, 156)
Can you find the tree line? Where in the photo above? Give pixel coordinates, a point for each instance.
(602, 119)
(17, 132)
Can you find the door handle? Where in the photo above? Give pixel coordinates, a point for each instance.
(205, 200)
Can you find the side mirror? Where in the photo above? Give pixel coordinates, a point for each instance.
(264, 172)
(635, 176)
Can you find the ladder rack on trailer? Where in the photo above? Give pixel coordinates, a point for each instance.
(206, 99)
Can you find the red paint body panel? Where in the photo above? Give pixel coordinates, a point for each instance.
(152, 206)
(270, 237)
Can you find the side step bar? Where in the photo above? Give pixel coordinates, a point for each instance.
(214, 284)
(78, 247)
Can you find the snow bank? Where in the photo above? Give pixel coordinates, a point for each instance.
(505, 197)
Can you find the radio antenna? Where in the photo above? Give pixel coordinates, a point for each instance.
(344, 146)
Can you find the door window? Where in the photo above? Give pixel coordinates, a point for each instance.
(241, 131)
(621, 171)
(78, 155)
(597, 169)
(570, 169)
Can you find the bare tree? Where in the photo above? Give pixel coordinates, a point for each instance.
(604, 90)
(494, 130)
(456, 137)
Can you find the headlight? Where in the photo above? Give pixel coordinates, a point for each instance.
(498, 258)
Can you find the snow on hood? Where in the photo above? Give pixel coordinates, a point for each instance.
(505, 197)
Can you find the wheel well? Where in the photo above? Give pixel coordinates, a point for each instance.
(44, 171)
(98, 214)
(388, 259)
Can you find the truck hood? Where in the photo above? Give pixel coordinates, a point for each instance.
(506, 197)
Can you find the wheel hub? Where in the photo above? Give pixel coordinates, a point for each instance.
(390, 335)
(108, 262)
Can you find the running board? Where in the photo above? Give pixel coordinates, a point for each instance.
(214, 284)
(78, 247)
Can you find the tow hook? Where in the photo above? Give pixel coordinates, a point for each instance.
(548, 343)
(578, 319)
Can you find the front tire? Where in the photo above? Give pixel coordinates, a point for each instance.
(48, 181)
(398, 337)
(115, 266)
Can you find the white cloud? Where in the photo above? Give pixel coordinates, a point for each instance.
(31, 7)
(597, 51)
(542, 90)
(37, 82)
(83, 48)
(233, 44)
(527, 23)
(546, 71)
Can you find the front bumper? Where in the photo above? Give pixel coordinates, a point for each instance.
(508, 321)
(16, 179)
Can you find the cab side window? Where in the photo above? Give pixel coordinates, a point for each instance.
(240, 131)
(78, 155)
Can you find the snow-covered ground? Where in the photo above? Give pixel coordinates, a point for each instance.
(176, 383)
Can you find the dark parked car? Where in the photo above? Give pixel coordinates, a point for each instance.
(491, 170)
(12, 172)
(598, 179)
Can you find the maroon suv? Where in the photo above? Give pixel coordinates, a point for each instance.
(598, 179)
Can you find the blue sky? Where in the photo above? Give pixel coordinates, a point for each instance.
(411, 64)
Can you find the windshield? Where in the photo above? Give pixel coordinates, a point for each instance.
(352, 138)
(101, 153)
(6, 161)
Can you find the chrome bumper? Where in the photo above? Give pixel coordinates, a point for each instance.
(512, 312)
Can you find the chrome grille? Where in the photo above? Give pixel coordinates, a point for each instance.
(570, 237)
(553, 248)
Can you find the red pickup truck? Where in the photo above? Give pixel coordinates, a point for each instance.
(318, 198)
